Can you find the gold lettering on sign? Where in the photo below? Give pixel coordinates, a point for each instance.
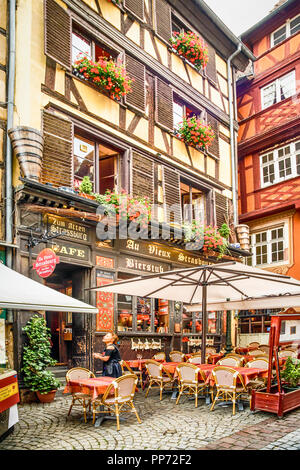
(143, 266)
(154, 250)
(131, 245)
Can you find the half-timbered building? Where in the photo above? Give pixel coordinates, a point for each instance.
(269, 148)
(72, 128)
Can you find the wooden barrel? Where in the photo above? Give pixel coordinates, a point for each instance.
(28, 144)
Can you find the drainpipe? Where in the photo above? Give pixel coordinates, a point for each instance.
(232, 136)
(10, 118)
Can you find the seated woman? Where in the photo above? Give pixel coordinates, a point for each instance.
(111, 356)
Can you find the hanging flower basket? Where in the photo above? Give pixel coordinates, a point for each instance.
(106, 74)
(193, 132)
(191, 47)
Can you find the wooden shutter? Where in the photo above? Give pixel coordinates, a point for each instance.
(142, 176)
(171, 187)
(163, 21)
(214, 147)
(135, 7)
(58, 154)
(211, 70)
(163, 104)
(222, 209)
(137, 71)
(58, 33)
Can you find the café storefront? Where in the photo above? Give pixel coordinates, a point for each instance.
(144, 326)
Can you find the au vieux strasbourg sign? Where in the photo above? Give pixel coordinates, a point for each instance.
(161, 252)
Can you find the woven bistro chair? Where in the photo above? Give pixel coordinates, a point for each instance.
(77, 373)
(118, 398)
(195, 359)
(288, 353)
(258, 382)
(188, 380)
(256, 352)
(159, 377)
(176, 356)
(265, 348)
(126, 369)
(160, 356)
(227, 386)
(239, 358)
(253, 344)
(229, 361)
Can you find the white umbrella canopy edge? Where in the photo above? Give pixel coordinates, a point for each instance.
(22, 293)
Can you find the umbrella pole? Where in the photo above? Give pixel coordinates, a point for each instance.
(204, 320)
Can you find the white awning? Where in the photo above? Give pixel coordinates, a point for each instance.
(280, 301)
(22, 293)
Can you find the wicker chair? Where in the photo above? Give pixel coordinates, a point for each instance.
(195, 359)
(265, 348)
(188, 378)
(253, 344)
(228, 389)
(239, 358)
(256, 352)
(229, 361)
(258, 382)
(160, 356)
(126, 369)
(118, 398)
(288, 353)
(83, 399)
(176, 356)
(158, 376)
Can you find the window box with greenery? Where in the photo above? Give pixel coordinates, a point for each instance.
(191, 47)
(195, 133)
(106, 74)
(37, 358)
(291, 374)
(207, 237)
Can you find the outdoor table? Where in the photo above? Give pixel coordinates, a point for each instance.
(136, 363)
(214, 358)
(247, 373)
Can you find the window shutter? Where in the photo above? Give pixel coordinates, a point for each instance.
(171, 186)
(214, 147)
(222, 209)
(142, 176)
(135, 7)
(211, 70)
(58, 28)
(164, 104)
(163, 21)
(137, 71)
(58, 154)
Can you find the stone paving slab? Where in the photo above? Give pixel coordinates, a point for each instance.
(165, 426)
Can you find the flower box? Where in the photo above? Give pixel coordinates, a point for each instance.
(105, 74)
(191, 47)
(275, 402)
(195, 133)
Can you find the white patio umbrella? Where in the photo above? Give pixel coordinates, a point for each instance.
(208, 284)
(22, 293)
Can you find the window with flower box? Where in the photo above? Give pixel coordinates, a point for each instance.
(278, 90)
(183, 110)
(193, 203)
(281, 164)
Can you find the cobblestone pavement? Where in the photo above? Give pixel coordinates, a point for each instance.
(165, 426)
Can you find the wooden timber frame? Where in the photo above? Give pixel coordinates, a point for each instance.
(274, 399)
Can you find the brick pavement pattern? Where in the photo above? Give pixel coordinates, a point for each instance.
(165, 426)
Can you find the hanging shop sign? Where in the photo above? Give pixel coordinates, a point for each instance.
(67, 228)
(46, 262)
(162, 252)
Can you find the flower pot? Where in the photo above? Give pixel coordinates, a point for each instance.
(87, 196)
(28, 144)
(46, 397)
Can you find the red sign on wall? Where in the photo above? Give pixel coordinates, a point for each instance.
(46, 262)
(105, 304)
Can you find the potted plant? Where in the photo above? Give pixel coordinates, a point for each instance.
(291, 374)
(106, 74)
(207, 236)
(191, 47)
(224, 231)
(195, 133)
(36, 359)
(86, 188)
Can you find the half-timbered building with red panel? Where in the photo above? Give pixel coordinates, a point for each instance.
(79, 127)
(269, 146)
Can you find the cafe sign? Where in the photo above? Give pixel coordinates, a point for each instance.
(46, 262)
(67, 228)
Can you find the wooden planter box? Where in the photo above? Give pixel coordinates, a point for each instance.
(275, 402)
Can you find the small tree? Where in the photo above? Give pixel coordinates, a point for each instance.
(36, 357)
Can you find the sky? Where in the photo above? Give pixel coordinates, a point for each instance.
(239, 15)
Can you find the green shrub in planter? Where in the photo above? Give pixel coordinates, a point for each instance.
(36, 357)
(291, 372)
(224, 231)
(86, 185)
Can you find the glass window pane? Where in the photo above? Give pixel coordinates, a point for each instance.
(83, 160)
(125, 312)
(287, 86)
(295, 25)
(269, 95)
(143, 319)
(279, 35)
(264, 236)
(80, 45)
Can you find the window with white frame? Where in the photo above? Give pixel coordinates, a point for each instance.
(280, 164)
(292, 26)
(267, 247)
(278, 90)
